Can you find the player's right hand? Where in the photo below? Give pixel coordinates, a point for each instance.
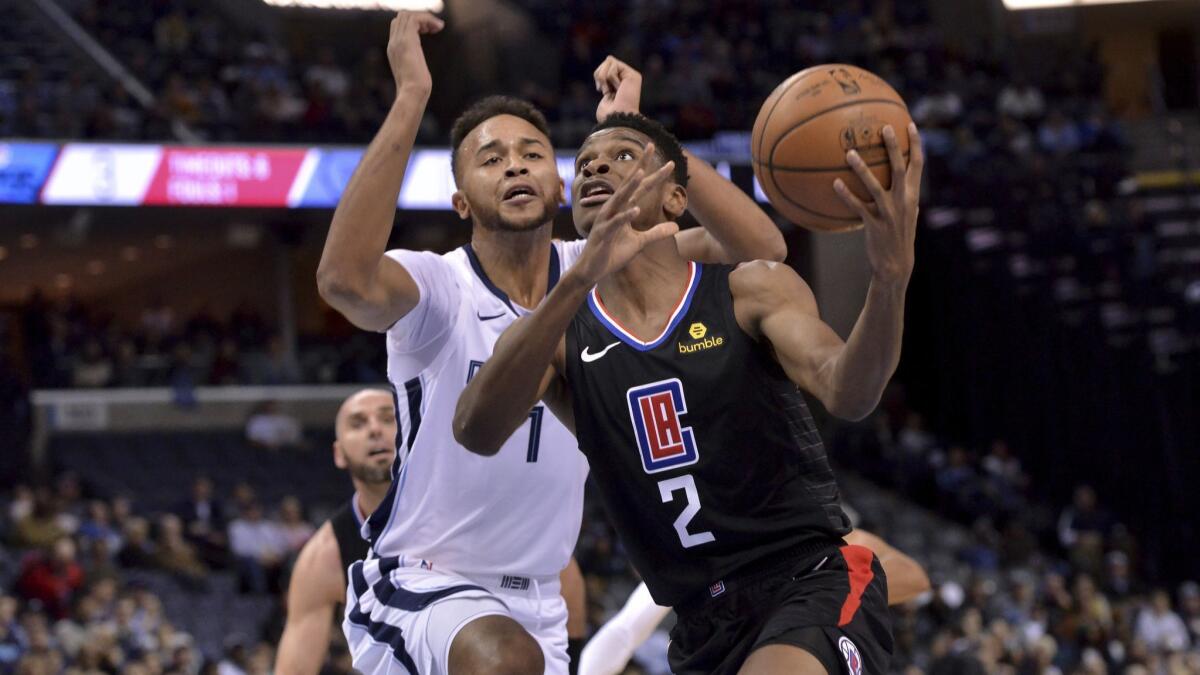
(620, 87)
(404, 50)
(613, 241)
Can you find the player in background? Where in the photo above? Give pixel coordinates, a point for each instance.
(364, 446)
(613, 645)
(695, 402)
(466, 552)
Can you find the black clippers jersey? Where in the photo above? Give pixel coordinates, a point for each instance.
(704, 452)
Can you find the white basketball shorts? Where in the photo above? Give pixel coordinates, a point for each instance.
(402, 616)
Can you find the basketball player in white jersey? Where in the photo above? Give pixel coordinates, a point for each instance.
(613, 645)
(466, 550)
(365, 447)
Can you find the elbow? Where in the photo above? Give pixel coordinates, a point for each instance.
(336, 289)
(776, 249)
(470, 436)
(851, 409)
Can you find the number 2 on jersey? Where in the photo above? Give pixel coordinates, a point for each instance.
(667, 490)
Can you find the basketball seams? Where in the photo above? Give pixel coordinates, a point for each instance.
(818, 169)
(806, 120)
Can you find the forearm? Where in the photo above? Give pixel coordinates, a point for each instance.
(739, 227)
(362, 221)
(499, 397)
(865, 365)
(303, 648)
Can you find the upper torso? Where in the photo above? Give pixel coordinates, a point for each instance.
(705, 453)
(517, 512)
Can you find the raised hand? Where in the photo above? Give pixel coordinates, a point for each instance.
(613, 241)
(891, 221)
(404, 50)
(620, 87)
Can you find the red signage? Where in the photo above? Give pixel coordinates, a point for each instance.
(225, 176)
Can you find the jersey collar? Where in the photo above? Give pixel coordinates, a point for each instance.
(551, 280)
(681, 308)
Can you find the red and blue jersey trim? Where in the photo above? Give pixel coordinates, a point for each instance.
(681, 309)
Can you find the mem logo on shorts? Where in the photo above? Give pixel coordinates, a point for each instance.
(849, 652)
(662, 441)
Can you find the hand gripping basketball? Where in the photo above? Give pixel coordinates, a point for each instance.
(891, 220)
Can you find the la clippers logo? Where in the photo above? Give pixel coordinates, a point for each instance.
(663, 442)
(850, 653)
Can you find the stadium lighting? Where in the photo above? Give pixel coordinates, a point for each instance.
(1046, 4)
(389, 5)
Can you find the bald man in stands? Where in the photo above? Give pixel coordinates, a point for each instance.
(364, 445)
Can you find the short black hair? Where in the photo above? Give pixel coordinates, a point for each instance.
(484, 110)
(665, 143)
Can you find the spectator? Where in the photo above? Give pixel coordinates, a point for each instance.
(177, 556)
(98, 526)
(1082, 519)
(52, 578)
(204, 522)
(42, 527)
(292, 526)
(1159, 628)
(1021, 100)
(259, 549)
(137, 551)
(1058, 135)
(271, 428)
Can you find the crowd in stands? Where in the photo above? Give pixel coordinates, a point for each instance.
(67, 603)
(72, 345)
(708, 66)
(1032, 590)
(1037, 591)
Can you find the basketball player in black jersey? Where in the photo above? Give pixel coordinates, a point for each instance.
(365, 446)
(680, 381)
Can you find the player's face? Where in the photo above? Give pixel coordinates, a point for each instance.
(507, 176)
(605, 160)
(366, 436)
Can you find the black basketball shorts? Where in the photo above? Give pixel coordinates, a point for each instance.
(832, 605)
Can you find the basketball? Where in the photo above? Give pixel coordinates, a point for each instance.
(803, 131)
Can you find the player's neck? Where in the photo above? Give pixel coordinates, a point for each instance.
(516, 262)
(368, 497)
(645, 292)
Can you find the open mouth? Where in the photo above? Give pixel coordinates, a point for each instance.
(594, 193)
(519, 194)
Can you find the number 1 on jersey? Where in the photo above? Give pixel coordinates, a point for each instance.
(667, 489)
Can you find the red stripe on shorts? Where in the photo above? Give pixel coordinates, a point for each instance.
(858, 559)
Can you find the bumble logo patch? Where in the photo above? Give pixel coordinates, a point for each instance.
(699, 332)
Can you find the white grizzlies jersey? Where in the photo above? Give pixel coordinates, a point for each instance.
(517, 512)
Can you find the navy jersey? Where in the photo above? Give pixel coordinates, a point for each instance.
(704, 452)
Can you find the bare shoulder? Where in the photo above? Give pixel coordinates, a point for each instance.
(319, 572)
(771, 283)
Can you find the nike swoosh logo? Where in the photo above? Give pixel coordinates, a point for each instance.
(588, 358)
(489, 318)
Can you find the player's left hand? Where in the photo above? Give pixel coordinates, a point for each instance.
(620, 87)
(891, 220)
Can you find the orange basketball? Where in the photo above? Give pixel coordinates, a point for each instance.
(802, 134)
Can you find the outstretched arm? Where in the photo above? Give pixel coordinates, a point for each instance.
(368, 288)
(528, 360)
(734, 228)
(771, 301)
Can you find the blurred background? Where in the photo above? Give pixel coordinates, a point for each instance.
(168, 170)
